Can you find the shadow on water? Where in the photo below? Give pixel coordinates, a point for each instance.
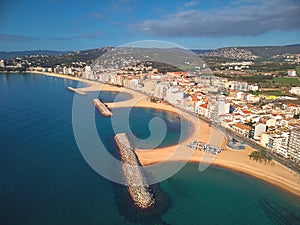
(123, 200)
(139, 119)
(125, 204)
(134, 214)
(278, 214)
(113, 96)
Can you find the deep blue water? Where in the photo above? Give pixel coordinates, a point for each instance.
(45, 180)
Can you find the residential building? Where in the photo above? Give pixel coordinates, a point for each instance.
(242, 129)
(292, 73)
(258, 129)
(294, 144)
(274, 140)
(160, 90)
(202, 110)
(174, 95)
(283, 151)
(253, 87)
(2, 64)
(295, 90)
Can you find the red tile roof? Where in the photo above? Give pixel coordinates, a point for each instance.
(203, 106)
(242, 126)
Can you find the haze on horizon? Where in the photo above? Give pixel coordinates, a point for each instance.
(65, 25)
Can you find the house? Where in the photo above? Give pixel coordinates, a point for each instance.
(273, 140)
(242, 129)
(295, 90)
(292, 73)
(258, 129)
(202, 110)
(283, 151)
(226, 123)
(294, 108)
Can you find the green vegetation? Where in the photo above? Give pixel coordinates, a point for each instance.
(163, 67)
(298, 70)
(154, 99)
(279, 67)
(286, 80)
(267, 93)
(261, 157)
(266, 52)
(256, 78)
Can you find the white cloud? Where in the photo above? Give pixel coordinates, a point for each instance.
(239, 19)
(191, 3)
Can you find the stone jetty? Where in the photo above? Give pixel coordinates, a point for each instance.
(137, 185)
(76, 91)
(102, 107)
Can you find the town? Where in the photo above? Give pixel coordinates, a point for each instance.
(245, 108)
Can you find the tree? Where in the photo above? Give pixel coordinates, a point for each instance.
(260, 156)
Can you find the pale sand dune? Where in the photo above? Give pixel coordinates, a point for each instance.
(277, 175)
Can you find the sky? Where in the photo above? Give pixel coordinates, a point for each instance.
(194, 24)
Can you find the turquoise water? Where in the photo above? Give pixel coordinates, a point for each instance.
(45, 180)
(220, 196)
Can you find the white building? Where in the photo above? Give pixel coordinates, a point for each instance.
(202, 110)
(253, 87)
(274, 141)
(174, 95)
(239, 95)
(104, 77)
(87, 72)
(217, 108)
(238, 86)
(160, 90)
(2, 64)
(283, 151)
(252, 98)
(133, 84)
(294, 145)
(295, 90)
(292, 73)
(258, 129)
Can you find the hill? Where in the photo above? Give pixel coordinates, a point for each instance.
(255, 53)
(7, 55)
(50, 58)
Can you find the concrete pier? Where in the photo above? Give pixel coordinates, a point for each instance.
(76, 91)
(137, 184)
(102, 107)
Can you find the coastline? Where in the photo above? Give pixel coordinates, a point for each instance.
(238, 161)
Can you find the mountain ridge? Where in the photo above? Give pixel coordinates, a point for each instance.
(251, 52)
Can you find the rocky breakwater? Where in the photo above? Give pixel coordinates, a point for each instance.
(76, 91)
(102, 107)
(137, 185)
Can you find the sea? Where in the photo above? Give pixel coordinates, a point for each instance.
(45, 180)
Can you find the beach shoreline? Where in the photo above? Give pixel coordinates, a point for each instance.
(239, 161)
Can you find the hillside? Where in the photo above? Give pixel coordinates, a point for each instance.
(7, 55)
(50, 58)
(254, 53)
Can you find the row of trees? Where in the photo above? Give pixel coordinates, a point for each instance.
(261, 157)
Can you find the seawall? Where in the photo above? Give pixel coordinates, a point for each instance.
(102, 107)
(76, 91)
(137, 184)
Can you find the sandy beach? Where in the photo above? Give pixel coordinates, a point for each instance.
(277, 174)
